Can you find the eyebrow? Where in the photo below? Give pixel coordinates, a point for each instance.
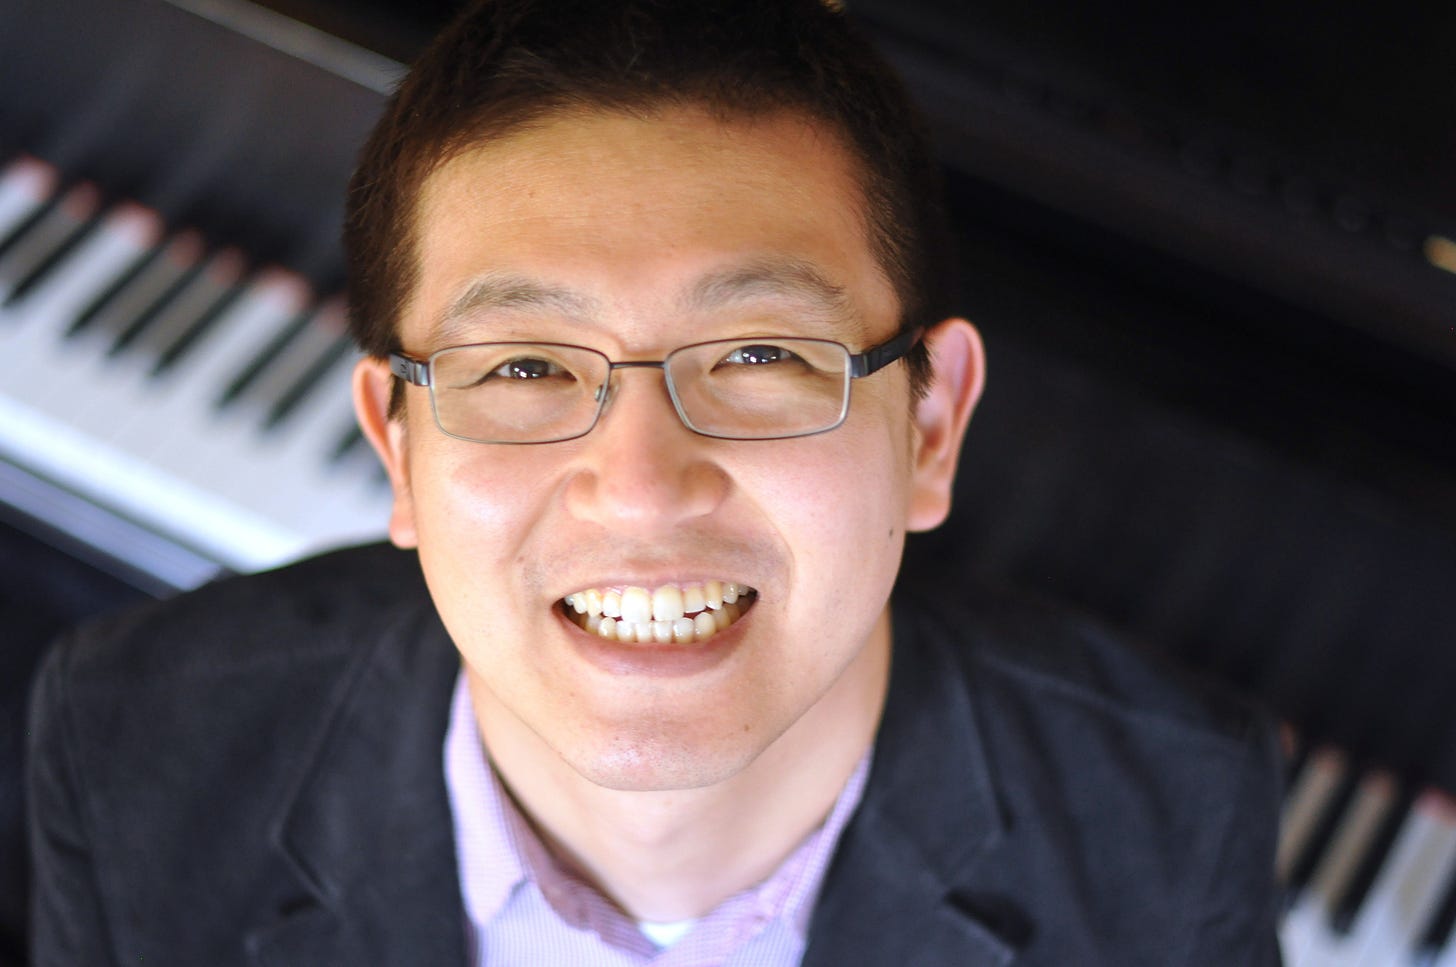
(783, 278)
(499, 292)
(789, 278)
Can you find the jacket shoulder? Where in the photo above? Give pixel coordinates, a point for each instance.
(1137, 801)
(1017, 644)
(306, 610)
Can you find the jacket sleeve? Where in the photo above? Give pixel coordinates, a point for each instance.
(66, 922)
(1242, 913)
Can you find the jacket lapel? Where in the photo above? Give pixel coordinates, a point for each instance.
(368, 830)
(902, 888)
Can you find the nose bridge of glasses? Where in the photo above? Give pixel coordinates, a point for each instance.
(606, 390)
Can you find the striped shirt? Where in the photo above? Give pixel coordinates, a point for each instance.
(525, 909)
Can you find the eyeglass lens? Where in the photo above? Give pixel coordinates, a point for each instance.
(541, 392)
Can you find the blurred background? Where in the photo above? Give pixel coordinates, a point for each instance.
(1212, 250)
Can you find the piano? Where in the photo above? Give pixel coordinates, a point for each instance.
(179, 400)
(200, 404)
(1368, 863)
(1219, 417)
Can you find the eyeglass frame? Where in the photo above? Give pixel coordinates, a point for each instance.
(416, 371)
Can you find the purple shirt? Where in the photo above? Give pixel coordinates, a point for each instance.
(524, 908)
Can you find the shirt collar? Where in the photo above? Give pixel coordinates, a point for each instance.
(490, 864)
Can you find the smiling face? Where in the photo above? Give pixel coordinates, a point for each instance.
(634, 236)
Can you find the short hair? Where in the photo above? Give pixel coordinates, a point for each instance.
(502, 64)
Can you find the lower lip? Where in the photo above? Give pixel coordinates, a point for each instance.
(655, 660)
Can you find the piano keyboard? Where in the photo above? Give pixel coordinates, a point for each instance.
(201, 407)
(1369, 869)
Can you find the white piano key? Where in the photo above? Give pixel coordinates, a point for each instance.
(157, 449)
(322, 420)
(270, 303)
(278, 472)
(25, 185)
(152, 445)
(126, 309)
(305, 352)
(1320, 946)
(173, 419)
(43, 241)
(125, 233)
(1434, 942)
(63, 372)
(1407, 889)
(33, 330)
(314, 430)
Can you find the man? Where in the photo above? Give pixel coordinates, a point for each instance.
(659, 365)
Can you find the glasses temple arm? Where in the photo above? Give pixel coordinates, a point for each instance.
(878, 357)
(413, 371)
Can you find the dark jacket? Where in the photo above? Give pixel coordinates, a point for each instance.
(251, 774)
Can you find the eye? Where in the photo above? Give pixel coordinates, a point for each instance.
(758, 355)
(525, 367)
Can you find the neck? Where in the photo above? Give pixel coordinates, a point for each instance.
(676, 854)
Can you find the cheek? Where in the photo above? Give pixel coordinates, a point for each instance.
(838, 502)
(470, 487)
(476, 508)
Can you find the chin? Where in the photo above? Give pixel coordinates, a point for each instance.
(662, 763)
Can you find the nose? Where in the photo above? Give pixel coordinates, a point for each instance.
(642, 469)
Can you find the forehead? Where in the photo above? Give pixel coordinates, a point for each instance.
(608, 213)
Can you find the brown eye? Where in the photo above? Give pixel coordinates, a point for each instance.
(758, 355)
(524, 367)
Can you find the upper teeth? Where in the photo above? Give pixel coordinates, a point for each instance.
(666, 603)
(672, 613)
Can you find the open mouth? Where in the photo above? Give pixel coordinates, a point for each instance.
(670, 614)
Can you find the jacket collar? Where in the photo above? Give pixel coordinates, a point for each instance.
(367, 827)
(902, 889)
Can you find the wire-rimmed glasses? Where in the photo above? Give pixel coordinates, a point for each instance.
(753, 388)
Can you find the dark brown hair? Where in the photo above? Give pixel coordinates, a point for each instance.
(504, 63)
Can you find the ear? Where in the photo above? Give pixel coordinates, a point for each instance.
(958, 374)
(373, 384)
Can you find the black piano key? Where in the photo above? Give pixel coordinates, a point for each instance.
(251, 371)
(23, 227)
(1302, 870)
(177, 351)
(1346, 906)
(1437, 931)
(123, 280)
(307, 383)
(170, 290)
(43, 266)
(41, 244)
(178, 323)
(124, 307)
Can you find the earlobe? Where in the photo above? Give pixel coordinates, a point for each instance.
(958, 376)
(373, 385)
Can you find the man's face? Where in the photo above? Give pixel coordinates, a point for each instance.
(636, 236)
